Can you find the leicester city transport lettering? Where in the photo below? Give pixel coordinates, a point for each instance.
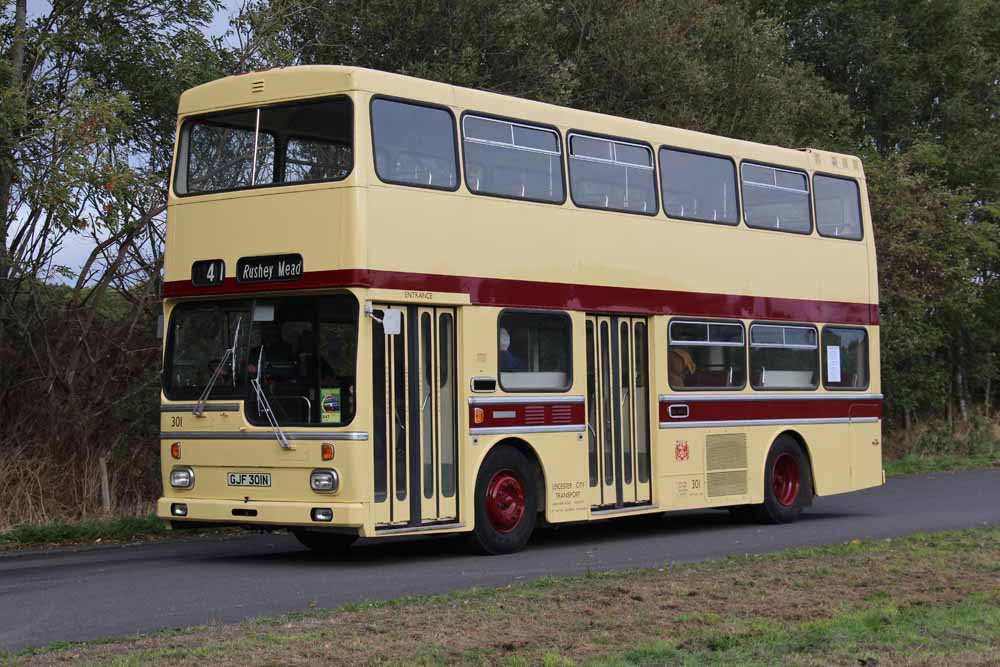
(269, 268)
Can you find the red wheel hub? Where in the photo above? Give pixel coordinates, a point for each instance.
(505, 500)
(785, 479)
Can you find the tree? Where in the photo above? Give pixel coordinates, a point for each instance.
(86, 127)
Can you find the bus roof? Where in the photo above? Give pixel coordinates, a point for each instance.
(308, 81)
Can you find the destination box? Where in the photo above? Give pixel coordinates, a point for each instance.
(269, 268)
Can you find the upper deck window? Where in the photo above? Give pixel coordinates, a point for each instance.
(698, 187)
(775, 198)
(414, 144)
(510, 159)
(291, 143)
(838, 207)
(610, 174)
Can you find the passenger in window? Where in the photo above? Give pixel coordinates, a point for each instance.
(508, 360)
(679, 366)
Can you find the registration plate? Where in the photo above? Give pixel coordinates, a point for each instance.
(249, 479)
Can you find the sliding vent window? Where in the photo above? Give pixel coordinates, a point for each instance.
(613, 175)
(706, 355)
(845, 358)
(510, 159)
(290, 143)
(783, 357)
(838, 207)
(534, 351)
(698, 187)
(414, 145)
(775, 198)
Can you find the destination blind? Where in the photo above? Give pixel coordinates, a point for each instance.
(269, 268)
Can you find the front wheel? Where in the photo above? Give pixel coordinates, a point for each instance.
(506, 502)
(787, 483)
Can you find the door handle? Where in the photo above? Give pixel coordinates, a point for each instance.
(678, 411)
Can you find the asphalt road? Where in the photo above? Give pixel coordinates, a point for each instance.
(104, 592)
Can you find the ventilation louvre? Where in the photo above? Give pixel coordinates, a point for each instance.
(726, 463)
(731, 483)
(257, 86)
(726, 452)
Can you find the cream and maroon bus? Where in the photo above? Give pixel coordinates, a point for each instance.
(395, 306)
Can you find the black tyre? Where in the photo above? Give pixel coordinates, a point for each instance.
(326, 544)
(787, 483)
(506, 502)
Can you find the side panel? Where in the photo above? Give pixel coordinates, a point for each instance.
(550, 425)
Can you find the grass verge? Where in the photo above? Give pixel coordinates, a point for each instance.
(925, 599)
(918, 464)
(104, 530)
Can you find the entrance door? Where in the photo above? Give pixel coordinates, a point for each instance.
(618, 410)
(415, 429)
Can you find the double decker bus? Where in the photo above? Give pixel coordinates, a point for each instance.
(395, 306)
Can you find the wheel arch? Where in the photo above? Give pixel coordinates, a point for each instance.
(530, 453)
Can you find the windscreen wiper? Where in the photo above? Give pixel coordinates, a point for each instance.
(264, 406)
(199, 407)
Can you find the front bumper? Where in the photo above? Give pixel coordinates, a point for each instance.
(269, 513)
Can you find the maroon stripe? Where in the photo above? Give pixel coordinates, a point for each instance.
(497, 415)
(735, 410)
(571, 296)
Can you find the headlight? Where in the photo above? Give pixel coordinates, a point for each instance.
(324, 481)
(182, 478)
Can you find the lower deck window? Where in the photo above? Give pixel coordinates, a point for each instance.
(783, 357)
(534, 351)
(845, 358)
(706, 355)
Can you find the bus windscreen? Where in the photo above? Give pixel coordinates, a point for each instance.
(304, 357)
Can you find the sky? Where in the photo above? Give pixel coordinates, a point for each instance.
(77, 247)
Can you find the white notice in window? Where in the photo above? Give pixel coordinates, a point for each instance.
(833, 363)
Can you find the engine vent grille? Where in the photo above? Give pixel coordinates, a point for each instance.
(726, 452)
(726, 463)
(731, 483)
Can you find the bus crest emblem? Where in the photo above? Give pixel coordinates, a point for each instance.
(681, 450)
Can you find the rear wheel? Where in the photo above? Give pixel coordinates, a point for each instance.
(787, 483)
(506, 502)
(326, 544)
